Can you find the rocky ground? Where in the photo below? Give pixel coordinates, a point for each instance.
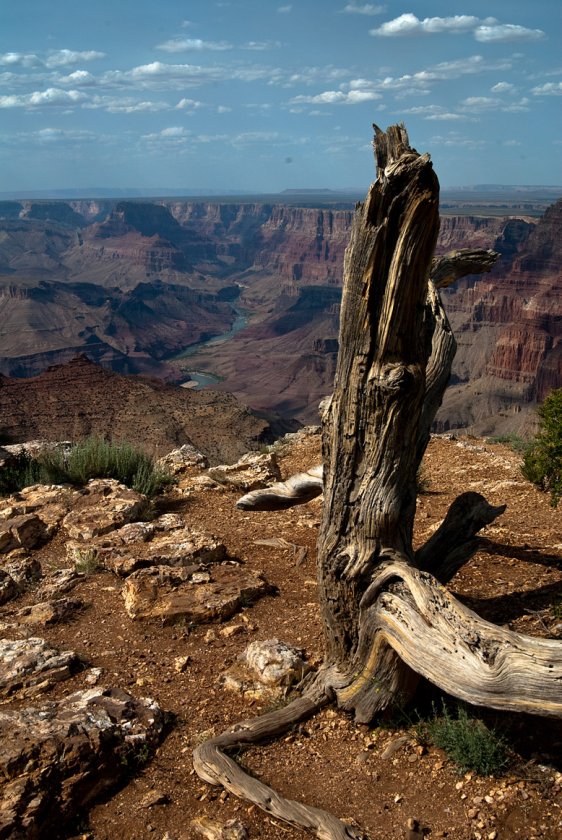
(122, 628)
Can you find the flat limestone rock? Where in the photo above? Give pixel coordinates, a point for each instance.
(179, 548)
(193, 594)
(267, 667)
(48, 612)
(104, 506)
(30, 666)
(50, 502)
(252, 472)
(57, 757)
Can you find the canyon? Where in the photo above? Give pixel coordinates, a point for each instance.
(144, 287)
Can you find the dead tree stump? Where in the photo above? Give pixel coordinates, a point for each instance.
(387, 615)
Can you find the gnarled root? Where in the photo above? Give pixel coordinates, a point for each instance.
(213, 765)
(451, 646)
(406, 612)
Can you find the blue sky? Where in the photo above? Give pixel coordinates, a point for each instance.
(257, 95)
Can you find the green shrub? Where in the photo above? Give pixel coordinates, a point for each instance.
(91, 458)
(20, 471)
(515, 442)
(467, 741)
(542, 463)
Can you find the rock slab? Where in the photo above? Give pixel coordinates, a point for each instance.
(56, 758)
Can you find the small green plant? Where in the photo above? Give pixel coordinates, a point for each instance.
(466, 740)
(542, 463)
(86, 560)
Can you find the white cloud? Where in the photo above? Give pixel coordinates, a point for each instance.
(337, 97)
(434, 112)
(409, 24)
(62, 58)
(479, 103)
(173, 136)
(188, 104)
(503, 87)
(507, 32)
(365, 9)
(41, 98)
(59, 135)
(177, 45)
(510, 143)
(78, 77)
(223, 109)
(284, 10)
(446, 116)
(455, 139)
(14, 59)
(548, 89)
(250, 137)
(487, 30)
(157, 75)
(174, 131)
(261, 46)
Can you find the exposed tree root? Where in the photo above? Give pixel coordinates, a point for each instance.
(435, 636)
(213, 765)
(297, 490)
(442, 640)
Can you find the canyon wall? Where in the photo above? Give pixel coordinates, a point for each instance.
(133, 284)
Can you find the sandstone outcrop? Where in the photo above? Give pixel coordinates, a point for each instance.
(191, 594)
(56, 757)
(31, 666)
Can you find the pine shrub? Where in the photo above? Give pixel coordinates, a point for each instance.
(542, 463)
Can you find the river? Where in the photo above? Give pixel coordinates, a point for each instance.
(202, 379)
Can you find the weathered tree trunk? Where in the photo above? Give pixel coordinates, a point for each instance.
(387, 616)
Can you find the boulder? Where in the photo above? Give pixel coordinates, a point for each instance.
(179, 460)
(181, 547)
(252, 472)
(29, 666)
(49, 502)
(59, 582)
(24, 531)
(48, 612)
(58, 757)
(24, 569)
(267, 667)
(104, 506)
(191, 593)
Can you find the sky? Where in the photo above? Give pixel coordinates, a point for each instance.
(263, 96)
